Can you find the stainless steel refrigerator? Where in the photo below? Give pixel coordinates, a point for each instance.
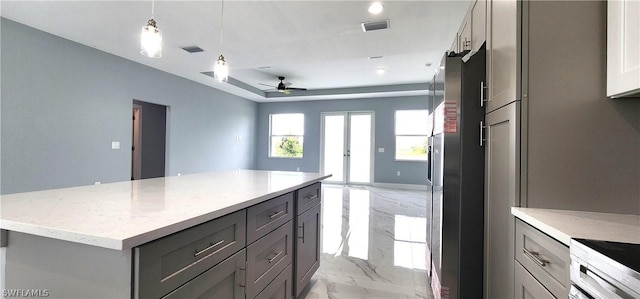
(456, 222)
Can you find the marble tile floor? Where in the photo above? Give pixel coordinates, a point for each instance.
(373, 244)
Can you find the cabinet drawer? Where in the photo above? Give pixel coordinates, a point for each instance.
(526, 286)
(279, 288)
(267, 257)
(307, 198)
(167, 263)
(544, 257)
(267, 216)
(222, 281)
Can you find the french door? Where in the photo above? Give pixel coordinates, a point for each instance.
(347, 147)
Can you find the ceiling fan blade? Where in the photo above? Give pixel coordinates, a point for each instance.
(267, 85)
(287, 84)
(295, 88)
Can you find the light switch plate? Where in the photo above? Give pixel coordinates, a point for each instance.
(381, 150)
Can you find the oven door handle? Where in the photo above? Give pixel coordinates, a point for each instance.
(591, 283)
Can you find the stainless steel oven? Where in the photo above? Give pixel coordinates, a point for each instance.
(606, 270)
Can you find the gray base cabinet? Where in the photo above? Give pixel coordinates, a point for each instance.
(307, 247)
(280, 287)
(226, 280)
(262, 251)
(307, 232)
(501, 193)
(527, 287)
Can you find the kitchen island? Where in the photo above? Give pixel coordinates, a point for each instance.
(150, 238)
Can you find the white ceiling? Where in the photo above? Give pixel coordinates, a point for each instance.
(317, 44)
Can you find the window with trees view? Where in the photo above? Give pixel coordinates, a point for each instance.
(411, 135)
(286, 136)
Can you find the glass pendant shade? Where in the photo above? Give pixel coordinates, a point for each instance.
(151, 40)
(221, 70)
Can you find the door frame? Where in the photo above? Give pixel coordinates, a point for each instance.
(136, 142)
(345, 161)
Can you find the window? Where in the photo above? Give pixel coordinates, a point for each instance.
(286, 136)
(411, 135)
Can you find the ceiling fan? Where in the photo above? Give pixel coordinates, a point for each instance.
(282, 86)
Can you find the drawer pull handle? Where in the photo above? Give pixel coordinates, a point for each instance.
(535, 257)
(276, 214)
(275, 256)
(312, 197)
(211, 245)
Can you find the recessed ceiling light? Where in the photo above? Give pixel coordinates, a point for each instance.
(376, 8)
(380, 71)
(427, 64)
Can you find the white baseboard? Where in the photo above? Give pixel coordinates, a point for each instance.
(383, 185)
(401, 186)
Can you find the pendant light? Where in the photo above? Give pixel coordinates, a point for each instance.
(221, 68)
(151, 38)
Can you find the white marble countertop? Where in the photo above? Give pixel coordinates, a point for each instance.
(564, 224)
(127, 214)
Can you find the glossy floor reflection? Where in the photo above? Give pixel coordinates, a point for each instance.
(373, 244)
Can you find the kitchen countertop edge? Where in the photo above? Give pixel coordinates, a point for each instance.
(563, 225)
(145, 237)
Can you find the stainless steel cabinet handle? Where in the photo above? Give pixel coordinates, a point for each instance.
(482, 139)
(211, 245)
(275, 256)
(244, 275)
(535, 257)
(301, 236)
(276, 214)
(312, 197)
(482, 99)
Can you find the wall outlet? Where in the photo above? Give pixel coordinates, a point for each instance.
(398, 173)
(115, 144)
(96, 183)
(381, 150)
(297, 168)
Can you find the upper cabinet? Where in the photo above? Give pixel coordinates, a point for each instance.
(473, 31)
(623, 48)
(502, 53)
(478, 24)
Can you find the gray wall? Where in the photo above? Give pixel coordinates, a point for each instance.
(583, 148)
(64, 103)
(384, 108)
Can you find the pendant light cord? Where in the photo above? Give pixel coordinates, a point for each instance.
(152, 7)
(221, 25)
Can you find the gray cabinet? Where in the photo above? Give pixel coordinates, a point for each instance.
(267, 216)
(478, 24)
(246, 254)
(527, 287)
(279, 288)
(502, 52)
(267, 257)
(307, 232)
(501, 193)
(165, 264)
(225, 280)
(546, 259)
(307, 247)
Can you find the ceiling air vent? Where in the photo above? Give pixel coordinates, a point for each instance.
(377, 25)
(193, 49)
